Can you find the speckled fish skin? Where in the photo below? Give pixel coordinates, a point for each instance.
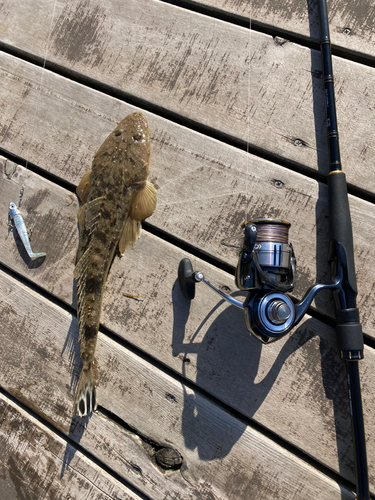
(115, 197)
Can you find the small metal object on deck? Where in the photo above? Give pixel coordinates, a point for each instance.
(168, 458)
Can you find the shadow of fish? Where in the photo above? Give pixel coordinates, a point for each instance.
(115, 197)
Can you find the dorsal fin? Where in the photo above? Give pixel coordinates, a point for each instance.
(92, 213)
(88, 217)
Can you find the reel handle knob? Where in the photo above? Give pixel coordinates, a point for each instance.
(186, 279)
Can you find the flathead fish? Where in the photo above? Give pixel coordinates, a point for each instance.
(115, 197)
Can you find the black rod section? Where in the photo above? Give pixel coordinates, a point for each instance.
(358, 430)
(341, 255)
(325, 47)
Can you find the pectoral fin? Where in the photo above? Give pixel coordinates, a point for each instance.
(83, 187)
(144, 202)
(142, 205)
(129, 235)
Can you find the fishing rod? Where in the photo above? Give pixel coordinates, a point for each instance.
(266, 269)
(341, 256)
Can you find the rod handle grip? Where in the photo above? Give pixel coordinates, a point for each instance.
(349, 331)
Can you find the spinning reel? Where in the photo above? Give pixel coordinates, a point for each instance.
(267, 270)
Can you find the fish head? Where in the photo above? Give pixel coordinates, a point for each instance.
(127, 148)
(137, 136)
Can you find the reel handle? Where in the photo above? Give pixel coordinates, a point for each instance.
(186, 279)
(269, 314)
(250, 237)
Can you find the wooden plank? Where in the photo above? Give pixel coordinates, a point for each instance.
(223, 458)
(34, 465)
(351, 23)
(199, 339)
(243, 84)
(205, 188)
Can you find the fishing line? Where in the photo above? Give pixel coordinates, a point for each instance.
(15, 218)
(276, 232)
(40, 89)
(247, 196)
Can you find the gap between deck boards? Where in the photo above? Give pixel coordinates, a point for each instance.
(161, 234)
(266, 433)
(191, 124)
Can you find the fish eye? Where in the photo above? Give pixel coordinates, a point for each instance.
(137, 136)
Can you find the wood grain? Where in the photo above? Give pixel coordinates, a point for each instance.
(351, 23)
(33, 463)
(246, 85)
(204, 341)
(223, 458)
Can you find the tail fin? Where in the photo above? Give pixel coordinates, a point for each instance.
(85, 397)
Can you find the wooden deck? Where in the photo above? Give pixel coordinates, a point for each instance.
(231, 110)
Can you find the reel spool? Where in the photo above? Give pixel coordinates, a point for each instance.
(267, 270)
(267, 258)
